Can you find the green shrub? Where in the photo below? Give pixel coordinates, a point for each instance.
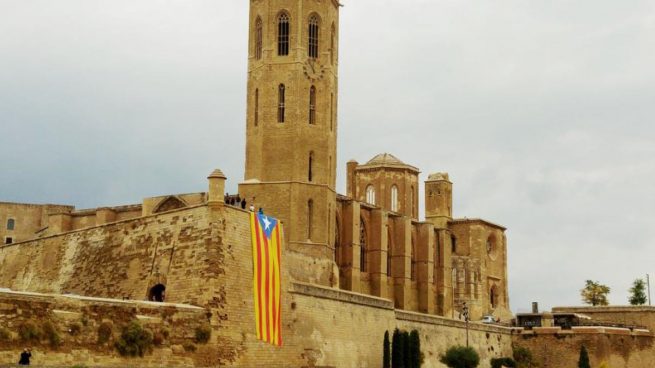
(105, 331)
(75, 328)
(135, 340)
(29, 332)
(522, 357)
(460, 357)
(386, 351)
(203, 334)
(51, 333)
(5, 335)
(165, 332)
(189, 347)
(502, 362)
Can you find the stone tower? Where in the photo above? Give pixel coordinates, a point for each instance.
(439, 200)
(291, 129)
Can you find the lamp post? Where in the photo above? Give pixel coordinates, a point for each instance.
(465, 312)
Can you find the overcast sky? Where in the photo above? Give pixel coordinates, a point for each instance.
(542, 111)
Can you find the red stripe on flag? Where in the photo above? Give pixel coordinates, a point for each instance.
(267, 285)
(259, 274)
(279, 264)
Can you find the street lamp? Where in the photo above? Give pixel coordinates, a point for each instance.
(465, 313)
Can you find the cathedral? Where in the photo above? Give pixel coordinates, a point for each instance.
(351, 261)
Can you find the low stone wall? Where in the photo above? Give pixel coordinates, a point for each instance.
(617, 347)
(627, 315)
(67, 329)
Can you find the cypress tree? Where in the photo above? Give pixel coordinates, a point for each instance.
(583, 362)
(397, 350)
(415, 343)
(408, 350)
(386, 351)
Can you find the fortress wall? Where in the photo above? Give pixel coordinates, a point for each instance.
(618, 348)
(628, 315)
(120, 260)
(69, 313)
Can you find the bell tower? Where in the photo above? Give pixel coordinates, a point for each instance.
(292, 126)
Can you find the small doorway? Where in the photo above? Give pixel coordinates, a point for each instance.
(157, 293)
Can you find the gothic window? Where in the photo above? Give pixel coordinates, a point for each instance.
(313, 37)
(11, 223)
(370, 195)
(362, 246)
(493, 296)
(310, 169)
(312, 105)
(280, 103)
(413, 258)
(310, 218)
(256, 106)
(453, 244)
(283, 30)
(258, 38)
(332, 36)
(394, 198)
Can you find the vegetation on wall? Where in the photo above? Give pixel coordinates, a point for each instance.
(51, 334)
(460, 357)
(134, 340)
(503, 362)
(29, 332)
(5, 335)
(203, 334)
(105, 331)
(522, 357)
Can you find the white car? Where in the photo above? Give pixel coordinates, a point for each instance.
(488, 319)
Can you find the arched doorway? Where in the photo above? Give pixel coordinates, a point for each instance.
(157, 293)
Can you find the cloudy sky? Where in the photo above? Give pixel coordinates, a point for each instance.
(542, 111)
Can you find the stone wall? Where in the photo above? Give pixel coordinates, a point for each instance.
(618, 348)
(627, 315)
(75, 324)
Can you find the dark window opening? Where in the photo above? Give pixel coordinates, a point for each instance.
(157, 293)
(453, 244)
(313, 37)
(9, 240)
(362, 246)
(312, 105)
(256, 106)
(332, 44)
(10, 224)
(280, 103)
(283, 30)
(492, 297)
(310, 218)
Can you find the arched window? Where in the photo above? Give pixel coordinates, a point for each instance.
(11, 223)
(310, 218)
(413, 258)
(258, 38)
(312, 105)
(280, 103)
(370, 194)
(310, 169)
(394, 198)
(453, 244)
(362, 246)
(256, 106)
(313, 37)
(493, 295)
(283, 30)
(332, 43)
(157, 293)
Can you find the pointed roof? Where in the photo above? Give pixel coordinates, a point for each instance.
(387, 160)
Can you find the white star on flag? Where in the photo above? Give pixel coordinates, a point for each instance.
(267, 223)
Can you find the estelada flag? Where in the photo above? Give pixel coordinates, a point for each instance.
(266, 251)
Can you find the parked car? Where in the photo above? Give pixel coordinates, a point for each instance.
(488, 319)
